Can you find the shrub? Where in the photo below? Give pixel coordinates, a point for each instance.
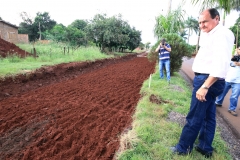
(179, 49)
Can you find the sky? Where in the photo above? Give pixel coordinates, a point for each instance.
(140, 14)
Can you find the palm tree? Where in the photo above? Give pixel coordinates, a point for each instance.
(183, 33)
(171, 23)
(192, 25)
(226, 5)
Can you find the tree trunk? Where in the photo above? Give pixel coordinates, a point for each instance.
(40, 37)
(199, 32)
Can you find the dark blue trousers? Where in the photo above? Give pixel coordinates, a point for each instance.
(201, 119)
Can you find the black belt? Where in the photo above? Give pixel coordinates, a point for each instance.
(197, 74)
(200, 73)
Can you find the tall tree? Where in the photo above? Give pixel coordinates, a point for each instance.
(112, 32)
(28, 27)
(147, 45)
(41, 22)
(56, 33)
(74, 36)
(236, 30)
(183, 33)
(173, 22)
(44, 22)
(192, 25)
(134, 39)
(79, 24)
(226, 5)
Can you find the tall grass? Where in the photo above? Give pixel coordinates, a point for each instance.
(48, 54)
(152, 133)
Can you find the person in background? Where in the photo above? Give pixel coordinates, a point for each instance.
(210, 67)
(232, 82)
(164, 50)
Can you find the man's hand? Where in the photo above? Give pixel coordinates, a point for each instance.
(162, 45)
(237, 63)
(201, 93)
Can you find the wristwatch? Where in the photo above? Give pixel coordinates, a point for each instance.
(204, 87)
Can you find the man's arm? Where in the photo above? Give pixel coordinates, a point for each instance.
(237, 63)
(157, 49)
(168, 49)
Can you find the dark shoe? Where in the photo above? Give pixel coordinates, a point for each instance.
(232, 113)
(175, 151)
(218, 105)
(206, 154)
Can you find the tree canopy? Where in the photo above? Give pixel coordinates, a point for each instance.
(227, 5)
(192, 25)
(34, 28)
(108, 33)
(236, 30)
(112, 33)
(173, 22)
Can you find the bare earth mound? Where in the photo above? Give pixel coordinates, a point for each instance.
(70, 111)
(7, 48)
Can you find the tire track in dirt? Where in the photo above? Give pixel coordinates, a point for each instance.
(79, 118)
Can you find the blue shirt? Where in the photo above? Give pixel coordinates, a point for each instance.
(163, 53)
(233, 75)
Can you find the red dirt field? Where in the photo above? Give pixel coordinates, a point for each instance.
(7, 48)
(74, 111)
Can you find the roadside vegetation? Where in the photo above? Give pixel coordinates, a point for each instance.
(51, 54)
(158, 121)
(48, 54)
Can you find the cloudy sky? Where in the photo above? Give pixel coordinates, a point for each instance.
(140, 14)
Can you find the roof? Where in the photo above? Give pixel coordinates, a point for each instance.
(9, 24)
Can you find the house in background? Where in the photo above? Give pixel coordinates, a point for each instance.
(9, 32)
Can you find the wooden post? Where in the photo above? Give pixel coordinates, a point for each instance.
(35, 53)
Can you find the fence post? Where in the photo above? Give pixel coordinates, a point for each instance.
(34, 53)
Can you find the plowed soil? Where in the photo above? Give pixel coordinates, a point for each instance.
(72, 111)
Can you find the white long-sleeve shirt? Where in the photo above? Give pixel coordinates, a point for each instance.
(215, 51)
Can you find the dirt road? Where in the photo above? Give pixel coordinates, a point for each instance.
(71, 111)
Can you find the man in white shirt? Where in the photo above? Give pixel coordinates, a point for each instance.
(233, 82)
(210, 66)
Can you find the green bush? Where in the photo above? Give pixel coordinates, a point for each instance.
(179, 49)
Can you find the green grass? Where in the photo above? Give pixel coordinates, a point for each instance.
(152, 134)
(48, 54)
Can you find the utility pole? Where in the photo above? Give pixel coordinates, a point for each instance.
(169, 5)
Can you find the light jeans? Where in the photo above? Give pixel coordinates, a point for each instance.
(234, 96)
(201, 119)
(164, 63)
